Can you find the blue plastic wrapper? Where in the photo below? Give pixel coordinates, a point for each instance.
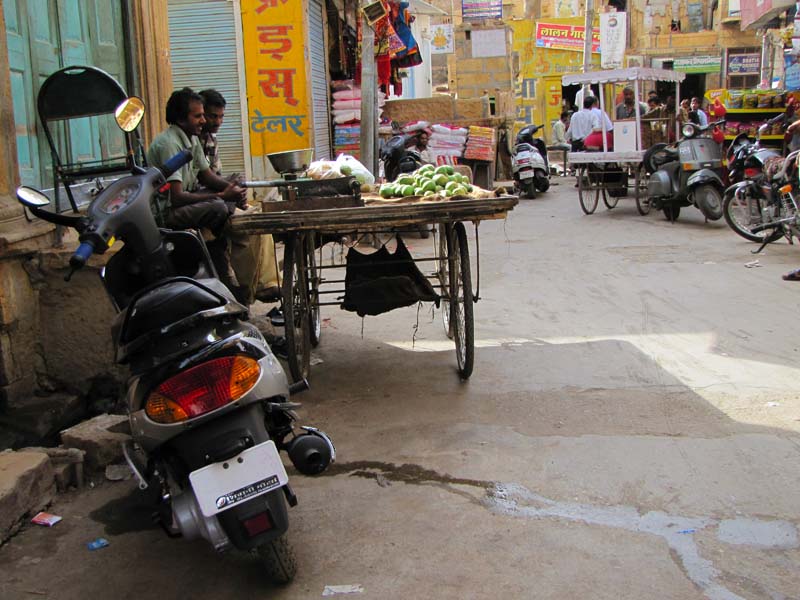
(97, 544)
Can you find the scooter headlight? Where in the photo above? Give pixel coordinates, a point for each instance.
(202, 388)
(688, 130)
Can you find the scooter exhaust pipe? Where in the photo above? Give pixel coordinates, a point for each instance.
(311, 452)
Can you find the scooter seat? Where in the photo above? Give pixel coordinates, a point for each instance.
(167, 304)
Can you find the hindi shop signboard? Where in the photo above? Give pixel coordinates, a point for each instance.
(275, 71)
(698, 64)
(744, 64)
(565, 37)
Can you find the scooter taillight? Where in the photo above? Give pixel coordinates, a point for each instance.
(202, 388)
(750, 172)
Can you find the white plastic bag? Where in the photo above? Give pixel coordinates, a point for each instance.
(324, 169)
(349, 165)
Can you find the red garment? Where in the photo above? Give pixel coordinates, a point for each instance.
(384, 68)
(595, 140)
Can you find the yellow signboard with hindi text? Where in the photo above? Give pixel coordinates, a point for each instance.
(277, 97)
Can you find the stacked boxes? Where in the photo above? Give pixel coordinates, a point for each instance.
(481, 143)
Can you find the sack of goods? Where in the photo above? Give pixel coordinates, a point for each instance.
(447, 143)
(481, 143)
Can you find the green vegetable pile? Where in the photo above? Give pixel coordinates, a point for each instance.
(428, 181)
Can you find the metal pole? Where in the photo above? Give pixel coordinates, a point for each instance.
(369, 85)
(587, 37)
(766, 45)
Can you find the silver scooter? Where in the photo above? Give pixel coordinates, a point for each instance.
(208, 402)
(687, 173)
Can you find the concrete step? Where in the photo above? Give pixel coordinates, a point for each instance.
(27, 485)
(101, 438)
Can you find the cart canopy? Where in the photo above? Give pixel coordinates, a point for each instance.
(623, 76)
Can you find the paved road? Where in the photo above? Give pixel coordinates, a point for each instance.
(631, 431)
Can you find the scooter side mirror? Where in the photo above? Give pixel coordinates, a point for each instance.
(31, 197)
(129, 113)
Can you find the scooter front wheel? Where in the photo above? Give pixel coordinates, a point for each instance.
(709, 200)
(278, 559)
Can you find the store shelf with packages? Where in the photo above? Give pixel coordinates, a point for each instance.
(748, 120)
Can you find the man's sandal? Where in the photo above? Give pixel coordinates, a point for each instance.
(792, 275)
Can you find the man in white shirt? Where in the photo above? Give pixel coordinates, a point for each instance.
(600, 121)
(580, 125)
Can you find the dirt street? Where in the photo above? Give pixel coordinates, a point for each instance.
(630, 431)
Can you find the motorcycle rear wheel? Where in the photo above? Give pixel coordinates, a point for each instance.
(741, 214)
(278, 559)
(709, 200)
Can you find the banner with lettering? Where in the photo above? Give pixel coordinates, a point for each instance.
(477, 10)
(274, 58)
(565, 37)
(613, 33)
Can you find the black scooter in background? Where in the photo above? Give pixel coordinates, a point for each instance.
(208, 402)
(398, 158)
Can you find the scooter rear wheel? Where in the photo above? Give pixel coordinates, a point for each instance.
(671, 212)
(278, 560)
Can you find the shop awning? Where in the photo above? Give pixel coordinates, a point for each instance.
(756, 14)
(419, 7)
(623, 75)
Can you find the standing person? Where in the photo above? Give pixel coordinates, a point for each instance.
(697, 114)
(627, 108)
(197, 197)
(252, 257)
(580, 125)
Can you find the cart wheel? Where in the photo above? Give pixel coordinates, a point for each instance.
(609, 200)
(587, 193)
(461, 301)
(443, 274)
(642, 200)
(313, 276)
(295, 308)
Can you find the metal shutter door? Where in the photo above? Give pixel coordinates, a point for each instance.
(202, 40)
(319, 80)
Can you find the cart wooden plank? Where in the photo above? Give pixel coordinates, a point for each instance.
(375, 215)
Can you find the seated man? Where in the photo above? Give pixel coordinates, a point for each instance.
(580, 125)
(560, 132)
(252, 256)
(190, 205)
(600, 120)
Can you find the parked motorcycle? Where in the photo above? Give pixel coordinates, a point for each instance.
(762, 208)
(686, 173)
(208, 402)
(529, 164)
(746, 158)
(398, 158)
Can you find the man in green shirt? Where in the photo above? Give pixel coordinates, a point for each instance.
(198, 197)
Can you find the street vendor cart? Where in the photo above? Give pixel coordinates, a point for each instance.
(377, 282)
(605, 173)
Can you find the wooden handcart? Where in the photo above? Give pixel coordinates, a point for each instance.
(304, 272)
(605, 174)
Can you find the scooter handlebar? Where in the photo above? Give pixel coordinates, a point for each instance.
(176, 162)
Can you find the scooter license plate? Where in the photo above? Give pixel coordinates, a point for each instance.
(223, 485)
(526, 174)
